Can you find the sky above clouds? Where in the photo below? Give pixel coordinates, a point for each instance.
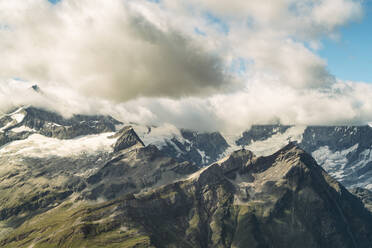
(201, 64)
(349, 56)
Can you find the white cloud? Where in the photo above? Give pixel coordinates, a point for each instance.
(333, 13)
(149, 60)
(305, 17)
(274, 34)
(104, 48)
(264, 101)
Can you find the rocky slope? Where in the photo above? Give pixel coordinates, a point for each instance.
(45, 158)
(343, 151)
(282, 200)
(365, 195)
(83, 182)
(25, 121)
(202, 148)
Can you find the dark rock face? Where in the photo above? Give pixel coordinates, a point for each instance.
(336, 137)
(213, 144)
(200, 148)
(36, 88)
(53, 125)
(6, 138)
(5, 120)
(127, 139)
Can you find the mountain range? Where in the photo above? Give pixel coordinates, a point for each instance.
(93, 181)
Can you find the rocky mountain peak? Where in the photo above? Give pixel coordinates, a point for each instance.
(52, 124)
(236, 159)
(245, 161)
(174, 192)
(127, 138)
(36, 88)
(290, 166)
(27, 120)
(282, 200)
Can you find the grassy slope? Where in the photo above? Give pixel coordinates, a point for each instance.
(76, 226)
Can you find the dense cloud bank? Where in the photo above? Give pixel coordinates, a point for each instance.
(204, 65)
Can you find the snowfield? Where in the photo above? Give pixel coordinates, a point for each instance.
(277, 141)
(17, 117)
(40, 146)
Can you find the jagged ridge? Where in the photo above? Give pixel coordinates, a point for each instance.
(282, 200)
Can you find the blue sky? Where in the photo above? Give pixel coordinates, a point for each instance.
(350, 57)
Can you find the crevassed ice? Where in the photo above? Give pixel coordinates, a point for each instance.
(277, 141)
(330, 160)
(268, 146)
(230, 139)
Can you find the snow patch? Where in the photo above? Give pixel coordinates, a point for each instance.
(23, 129)
(196, 175)
(158, 136)
(334, 162)
(231, 141)
(205, 158)
(330, 160)
(17, 117)
(8, 125)
(277, 141)
(52, 124)
(37, 145)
